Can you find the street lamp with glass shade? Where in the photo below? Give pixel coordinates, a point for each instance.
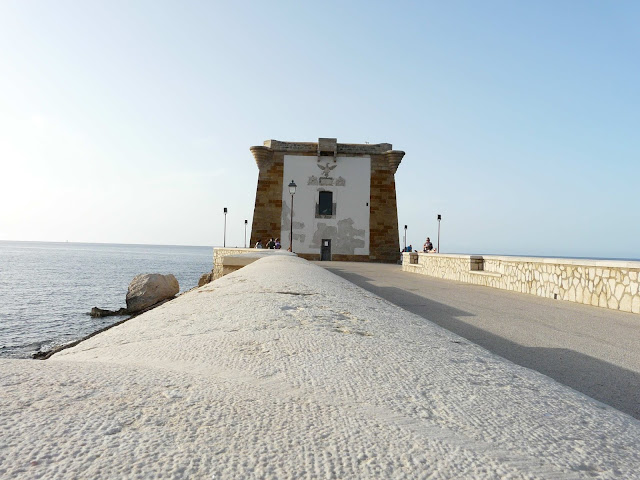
(292, 191)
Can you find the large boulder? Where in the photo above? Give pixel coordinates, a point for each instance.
(150, 288)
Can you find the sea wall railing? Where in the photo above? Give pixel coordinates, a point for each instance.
(227, 260)
(602, 283)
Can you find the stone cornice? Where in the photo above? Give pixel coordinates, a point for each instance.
(342, 148)
(394, 157)
(263, 156)
(264, 153)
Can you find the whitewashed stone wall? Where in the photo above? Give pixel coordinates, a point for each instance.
(608, 284)
(348, 179)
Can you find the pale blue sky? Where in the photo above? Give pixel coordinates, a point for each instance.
(131, 122)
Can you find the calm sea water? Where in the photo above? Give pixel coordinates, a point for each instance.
(47, 289)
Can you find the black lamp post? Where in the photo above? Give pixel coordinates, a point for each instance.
(292, 191)
(224, 238)
(439, 218)
(405, 239)
(245, 234)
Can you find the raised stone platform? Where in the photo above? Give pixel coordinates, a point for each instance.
(284, 370)
(228, 260)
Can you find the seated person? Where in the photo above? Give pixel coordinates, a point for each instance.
(428, 246)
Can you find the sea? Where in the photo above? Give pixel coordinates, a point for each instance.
(48, 289)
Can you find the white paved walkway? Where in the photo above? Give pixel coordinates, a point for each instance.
(283, 370)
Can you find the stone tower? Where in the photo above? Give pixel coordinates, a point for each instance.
(344, 207)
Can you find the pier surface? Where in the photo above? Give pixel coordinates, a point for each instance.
(283, 370)
(593, 350)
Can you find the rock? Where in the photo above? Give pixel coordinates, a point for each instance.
(150, 288)
(205, 278)
(100, 312)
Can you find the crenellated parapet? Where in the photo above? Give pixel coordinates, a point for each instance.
(394, 157)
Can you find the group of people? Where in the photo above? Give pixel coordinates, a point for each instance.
(272, 244)
(426, 248)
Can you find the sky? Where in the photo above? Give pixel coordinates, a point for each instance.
(131, 121)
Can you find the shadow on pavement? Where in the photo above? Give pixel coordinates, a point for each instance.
(603, 381)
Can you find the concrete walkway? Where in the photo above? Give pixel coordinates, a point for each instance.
(282, 370)
(593, 350)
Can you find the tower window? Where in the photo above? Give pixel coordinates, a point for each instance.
(325, 203)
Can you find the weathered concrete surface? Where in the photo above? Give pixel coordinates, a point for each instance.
(283, 370)
(592, 350)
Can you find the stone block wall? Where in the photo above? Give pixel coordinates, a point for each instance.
(383, 228)
(268, 207)
(220, 253)
(602, 283)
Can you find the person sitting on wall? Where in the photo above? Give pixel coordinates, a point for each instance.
(259, 244)
(278, 246)
(428, 246)
(271, 244)
(409, 248)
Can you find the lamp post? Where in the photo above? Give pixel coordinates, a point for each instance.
(224, 238)
(439, 218)
(292, 191)
(245, 234)
(405, 239)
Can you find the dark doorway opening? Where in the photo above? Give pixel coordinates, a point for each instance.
(325, 250)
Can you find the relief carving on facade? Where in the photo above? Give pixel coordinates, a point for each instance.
(326, 169)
